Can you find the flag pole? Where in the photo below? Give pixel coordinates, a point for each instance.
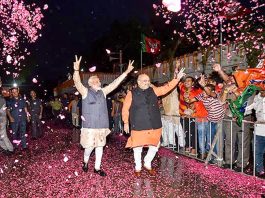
(141, 55)
(221, 41)
(141, 59)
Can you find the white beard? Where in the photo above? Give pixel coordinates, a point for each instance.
(96, 88)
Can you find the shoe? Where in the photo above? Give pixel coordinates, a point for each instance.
(85, 167)
(100, 172)
(137, 173)
(261, 174)
(212, 161)
(226, 166)
(150, 171)
(238, 169)
(202, 156)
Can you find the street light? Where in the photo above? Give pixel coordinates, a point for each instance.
(111, 58)
(172, 5)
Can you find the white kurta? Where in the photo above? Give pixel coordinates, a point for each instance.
(171, 120)
(95, 137)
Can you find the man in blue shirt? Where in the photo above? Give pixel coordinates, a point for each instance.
(35, 109)
(17, 113)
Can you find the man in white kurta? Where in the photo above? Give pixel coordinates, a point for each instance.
(95, 124)
(171, 120)
(259, 131)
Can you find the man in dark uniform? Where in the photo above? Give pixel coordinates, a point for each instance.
(35, 110)
(17, 113)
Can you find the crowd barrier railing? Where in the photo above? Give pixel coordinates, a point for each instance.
(224, 143)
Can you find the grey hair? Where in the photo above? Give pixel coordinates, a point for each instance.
(91, 78)
(141, 75)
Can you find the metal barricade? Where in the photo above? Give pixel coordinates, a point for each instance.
(233, 143)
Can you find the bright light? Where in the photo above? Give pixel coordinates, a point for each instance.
(15, 85)
(108, 51)
(172, 5)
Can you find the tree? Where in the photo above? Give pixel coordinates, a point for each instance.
(202, 21)
(20, 24)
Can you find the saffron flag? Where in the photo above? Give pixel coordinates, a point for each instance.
(150, 45)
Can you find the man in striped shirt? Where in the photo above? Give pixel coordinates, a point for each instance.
(214, 104)
(235, 136)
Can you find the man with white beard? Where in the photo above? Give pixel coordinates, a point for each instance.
(95, 122)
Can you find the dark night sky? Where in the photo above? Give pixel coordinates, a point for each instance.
(72, 25)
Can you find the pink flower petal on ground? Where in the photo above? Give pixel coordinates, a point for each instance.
(65, 159)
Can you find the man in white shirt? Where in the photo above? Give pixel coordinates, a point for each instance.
(259, 106)
(73, 108)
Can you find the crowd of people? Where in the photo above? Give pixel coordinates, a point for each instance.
(15, 112)
(202, 105)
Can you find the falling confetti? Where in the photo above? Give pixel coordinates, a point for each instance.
(83, 118)
(20, 24)
(92, 69)
(16, 142)
(34, 80)
(158, 65)
(45, 7)
(200, 21)
(8, 59)
(61, 116)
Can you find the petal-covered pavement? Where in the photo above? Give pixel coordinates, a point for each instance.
(52, 168)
